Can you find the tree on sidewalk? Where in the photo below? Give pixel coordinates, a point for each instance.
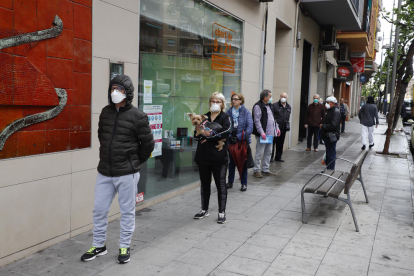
(405, 20)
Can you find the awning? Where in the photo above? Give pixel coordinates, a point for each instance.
(331, 60)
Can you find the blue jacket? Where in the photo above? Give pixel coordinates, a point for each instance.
(245, 123)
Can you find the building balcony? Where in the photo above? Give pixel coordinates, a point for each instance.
(376, 47)
(370, 67)
(357, 41)
(343, 14)
(378, 26)
(380, 5)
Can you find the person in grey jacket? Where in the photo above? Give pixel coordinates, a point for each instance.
(344, 109)
(126, 141)
(368, 117)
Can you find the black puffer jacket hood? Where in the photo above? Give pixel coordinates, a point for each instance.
(126, 82)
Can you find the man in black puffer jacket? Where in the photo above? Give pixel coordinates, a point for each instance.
(126, 142)
(330, 128)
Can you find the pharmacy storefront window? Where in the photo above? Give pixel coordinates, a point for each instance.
(188, 50)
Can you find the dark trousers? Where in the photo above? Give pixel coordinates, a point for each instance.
(232, 170)
(313, 131)
(219, 173)
(330, 153)
(278, 143)
(343, 117)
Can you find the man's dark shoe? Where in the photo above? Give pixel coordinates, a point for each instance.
(268, 174)
(94, 252)
(279, 160)
(272, 160)
(257, 174)
(221, 218)
(370, 146)
(363, 147)
(124, 255)
(201, 214)
(229, 185)
(243, 188)
(342, 131)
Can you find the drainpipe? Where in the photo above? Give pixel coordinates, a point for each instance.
(292, 83)
(263, 51)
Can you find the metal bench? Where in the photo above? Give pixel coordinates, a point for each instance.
(330, 183)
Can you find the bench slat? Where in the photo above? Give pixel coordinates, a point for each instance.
(338, 187)
(327, 185)
(317, 182)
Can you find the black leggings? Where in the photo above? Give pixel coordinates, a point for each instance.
(219, 173)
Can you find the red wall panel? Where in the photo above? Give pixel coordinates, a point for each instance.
(31, 72)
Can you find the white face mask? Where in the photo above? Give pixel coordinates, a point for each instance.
(117, 96)
(327, 106)
(215, 108)
(283, 100)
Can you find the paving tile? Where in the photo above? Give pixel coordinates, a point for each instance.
(183, 269)
(357, 250)
(305, 251)
(218, 245)
(312, 239)
(156, 256)
(257, 252)
(268, 241)
(175, 243)
(278, 230)
(204, 258)
(393, 254)
(244, 266)
(347, 262)
(243, 225)
(132, 268)
(325, 270)
(384, 270)
(294, 263)
(232, 234)
(36, 264)
(219, 272)
(274, 271)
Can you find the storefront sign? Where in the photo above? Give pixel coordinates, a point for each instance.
(154, 113)
(363, 78)
(147, 91)
(345, 73)
(223, 58)
(358, 61)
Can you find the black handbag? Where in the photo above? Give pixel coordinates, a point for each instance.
(287, 126)
(332, 137)
(249, 160)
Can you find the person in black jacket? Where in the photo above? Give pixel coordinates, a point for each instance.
(126, 141)
(281, 112)
(330, 130)
(210, 160)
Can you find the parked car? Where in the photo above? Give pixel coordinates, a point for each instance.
(411, 121)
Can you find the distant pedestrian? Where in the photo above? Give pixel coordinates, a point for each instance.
(210, 160)
(313, 119)
(344, 113)
(330, 130)
(242, 130)
(264, 124)
(282, 112)
(126, 141)
(368, 117)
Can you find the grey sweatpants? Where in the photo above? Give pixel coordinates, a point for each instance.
(105, 191)
(263, 151)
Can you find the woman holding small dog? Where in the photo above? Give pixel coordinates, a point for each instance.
(212, 161)
(242, 130)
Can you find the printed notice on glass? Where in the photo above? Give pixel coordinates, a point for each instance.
(147, 91)
(154, 113)
(223, 51)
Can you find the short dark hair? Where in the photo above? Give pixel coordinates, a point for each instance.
(370, 100)
(264, 93)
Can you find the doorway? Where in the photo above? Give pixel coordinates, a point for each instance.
(305, 87)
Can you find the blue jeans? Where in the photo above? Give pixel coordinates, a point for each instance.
(330, 153)
(232, 169)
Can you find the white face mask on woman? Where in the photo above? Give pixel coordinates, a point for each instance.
(327, 106)
(117, 96)
(215, 108)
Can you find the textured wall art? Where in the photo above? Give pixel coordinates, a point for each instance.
(45, 76)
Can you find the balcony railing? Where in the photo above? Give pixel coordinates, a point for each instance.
(355, 3)
(376, 47)
(378, 26)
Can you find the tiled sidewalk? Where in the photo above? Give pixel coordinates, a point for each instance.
(264, 234)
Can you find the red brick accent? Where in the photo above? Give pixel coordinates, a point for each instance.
(80, 118)
(82, 91)
(60, 72)
(31, 142)
(80, 140)
(57, 140)
(83, 56)
(82, 22)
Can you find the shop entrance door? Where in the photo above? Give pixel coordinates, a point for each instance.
(305, 87)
